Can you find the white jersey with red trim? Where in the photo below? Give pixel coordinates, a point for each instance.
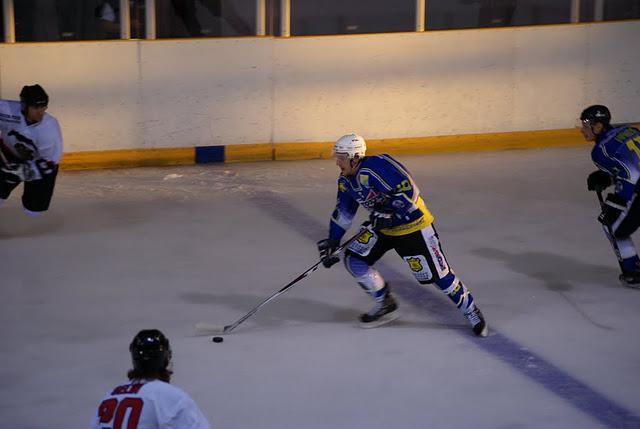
(148, 404)
(43, 138)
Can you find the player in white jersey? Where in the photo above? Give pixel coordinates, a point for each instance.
(30, 149)
(148, 401)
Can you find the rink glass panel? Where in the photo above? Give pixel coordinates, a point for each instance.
(60, 20)
(445, 14)
(351, 16)
(205, 18)
(69, 20)
(613, 10)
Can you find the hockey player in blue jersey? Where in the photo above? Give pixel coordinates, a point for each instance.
(399, 220)
(617, 155)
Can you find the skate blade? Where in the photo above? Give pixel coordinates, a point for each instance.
(631, 285)
(485, 331)
(387, 318)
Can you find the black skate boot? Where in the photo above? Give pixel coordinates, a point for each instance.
(631, 279)
(478, 323)
(383, 313)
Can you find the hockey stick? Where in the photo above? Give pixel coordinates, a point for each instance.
(610, 235)
(2, 157)
(206, 329)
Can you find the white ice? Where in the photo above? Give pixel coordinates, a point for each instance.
(124, 250)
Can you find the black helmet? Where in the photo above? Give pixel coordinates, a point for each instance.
(150, 351)
(596, 113)
(33, 95)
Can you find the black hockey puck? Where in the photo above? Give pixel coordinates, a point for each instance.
(217, 339)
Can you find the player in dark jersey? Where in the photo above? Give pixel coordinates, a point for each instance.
(617, 155)
(399, 220)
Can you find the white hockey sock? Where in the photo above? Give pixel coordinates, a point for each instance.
(373, 283)
(627, 248)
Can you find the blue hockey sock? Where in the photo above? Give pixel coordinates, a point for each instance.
(457, 292)
(631, 264)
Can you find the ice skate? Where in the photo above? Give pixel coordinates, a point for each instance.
(631, 279)
(477, 321)
(383, 313)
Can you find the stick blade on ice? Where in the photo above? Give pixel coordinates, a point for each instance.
(207, 329)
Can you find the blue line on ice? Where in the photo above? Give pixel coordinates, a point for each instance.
(575, 392)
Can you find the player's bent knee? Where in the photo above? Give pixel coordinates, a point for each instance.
(445, 282)
(620, 234)
(625, 230)
(630, 223)
(356, 266)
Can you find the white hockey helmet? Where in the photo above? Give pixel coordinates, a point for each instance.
(351, 144)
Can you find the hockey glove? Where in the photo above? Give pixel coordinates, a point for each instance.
(611, 209)
(380, 219)
(598, 180)
(12, 174)
(326, 248)
(24, 152)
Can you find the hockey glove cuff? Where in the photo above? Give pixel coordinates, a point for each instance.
(380, 219)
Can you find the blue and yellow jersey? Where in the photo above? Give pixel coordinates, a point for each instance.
(381, 183)
(617, 151)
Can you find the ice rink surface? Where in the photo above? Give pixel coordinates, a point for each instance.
(124, 250)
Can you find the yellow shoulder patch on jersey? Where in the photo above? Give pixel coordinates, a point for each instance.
(342, 187)
(364, 180)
